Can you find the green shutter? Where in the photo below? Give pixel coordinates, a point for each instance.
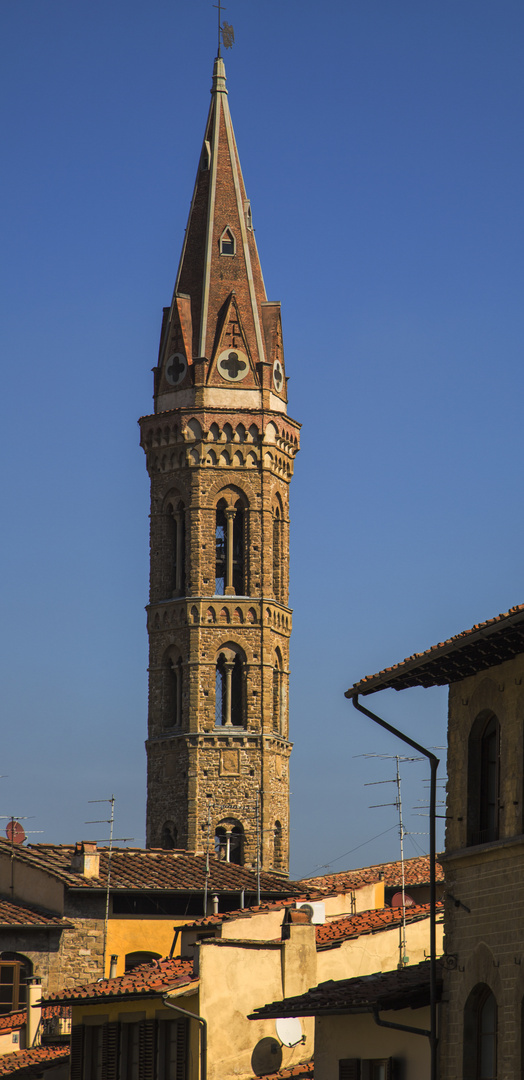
(110, 1048)
(147, 1049)
(181, 1050)
(77, 1051)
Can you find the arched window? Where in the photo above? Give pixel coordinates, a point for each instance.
(227, 243)
(169, 837)
(229, 842)
(480, 1035)
(172, 705)
(277, 553)
(229, 549)
(221, 548)
(277, 693)
(134, 959)
(483, 779)
(277, 858)
(177, 544)
(15, 970)
(229, 690)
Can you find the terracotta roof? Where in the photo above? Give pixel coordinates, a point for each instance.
(29, 1063)
(144, 981)
(416, 872)
(246, 912)
(399, 989)
(483, 646)
(334, 932)
(137, 868)
(17, 915)
(12, 1022)
(295, 1072)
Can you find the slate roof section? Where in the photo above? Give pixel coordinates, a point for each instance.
(331, 934)
(147, 980)
(138, 868)
(295, 1072)
(18, 915)
(483, 646)
(416, 872)
(26, 1064)
(407, 988)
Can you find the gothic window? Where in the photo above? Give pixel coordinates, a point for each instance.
(238, 550)
(277, 553)
(277, 693)
(169, 837)
(480, 1035)
(172, 711)
(227, 243)
(229, 690)
(177, 544)
(221, 549)
(483, 780)
(229, 842)
(277, 860)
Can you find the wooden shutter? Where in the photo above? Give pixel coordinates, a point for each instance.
(181, 1050)
(349, 1069)
(77, 1051)
(110, 1048)
(147, 1050)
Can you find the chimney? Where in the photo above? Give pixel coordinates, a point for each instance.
(34, 1011)
(86, 859)
(113, 966)
(299, 952)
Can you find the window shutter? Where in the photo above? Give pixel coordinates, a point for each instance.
(110, 1046)
(181, 1050)
(147, 1049)
(77, 1051)
(349, 1069)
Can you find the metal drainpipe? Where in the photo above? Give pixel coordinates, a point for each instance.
(434, 763)
(203, 1037)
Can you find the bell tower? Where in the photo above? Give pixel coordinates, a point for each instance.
(220, 450)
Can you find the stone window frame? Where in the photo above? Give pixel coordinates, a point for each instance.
(222, 241)
(483, 783)
(475, 1017)
(230, 682)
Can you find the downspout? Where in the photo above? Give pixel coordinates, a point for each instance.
(434, 763)
(203, 1036)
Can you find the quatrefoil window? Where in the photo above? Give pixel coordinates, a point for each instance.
(175, 369)
(233, 364)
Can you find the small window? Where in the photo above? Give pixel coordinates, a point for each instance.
(135, 959)
(480, 1035)
(227, 243)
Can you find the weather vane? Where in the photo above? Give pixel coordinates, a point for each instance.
(226, 34)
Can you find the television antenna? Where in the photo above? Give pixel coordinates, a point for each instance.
(121, 840)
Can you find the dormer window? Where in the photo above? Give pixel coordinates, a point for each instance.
(227, 243)
(247, 212)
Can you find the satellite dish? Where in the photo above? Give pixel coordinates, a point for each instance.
(289, 1030)
(396, 900)
(15, 832)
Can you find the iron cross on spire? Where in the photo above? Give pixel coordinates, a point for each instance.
(226, 34)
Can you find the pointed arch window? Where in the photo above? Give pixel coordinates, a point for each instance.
(172, 710)
(230, 526)
(277, 553)
(169, 837)
(227, 242)
(178, 547)
(229, 690)
(277, 859)
(277, 693)
(480, 1035)
(483, 780)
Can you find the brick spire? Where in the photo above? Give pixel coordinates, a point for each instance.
(220, 322)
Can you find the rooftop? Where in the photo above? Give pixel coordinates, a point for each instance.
(27, 1064)
(137, 868)
(18, 915)
(483, 646)
(400, 989)
(147, 980)
(332, 934)
(295, 1072)
(416, 872)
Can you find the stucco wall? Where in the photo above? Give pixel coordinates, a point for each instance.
(376, 952)
(359, 1037)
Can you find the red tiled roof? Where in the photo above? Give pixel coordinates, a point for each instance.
(416, 872)
(295, 1072)
(483, 646)
(29, 1063)
(21, 915)
(400, 989)
(146, 980)
(333, 933)
(137, 868)
(12, 1022)
(246, 912)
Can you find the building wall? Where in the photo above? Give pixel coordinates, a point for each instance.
(485, 912)
(358, 1036)
(200, 774)
(376, 952)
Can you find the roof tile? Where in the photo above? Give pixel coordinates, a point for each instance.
(334, 932)
(29, 1063)
(416, 872)
(153, 978)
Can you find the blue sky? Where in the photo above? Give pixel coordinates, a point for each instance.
(381, 145)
